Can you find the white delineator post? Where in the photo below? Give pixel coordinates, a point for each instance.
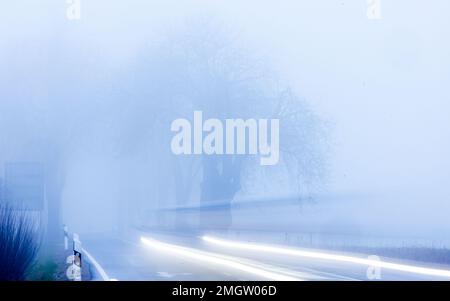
(77, 260)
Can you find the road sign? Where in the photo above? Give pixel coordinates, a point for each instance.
(24, 185)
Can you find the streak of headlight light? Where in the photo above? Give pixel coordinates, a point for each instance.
(207, 258)
(326, 256)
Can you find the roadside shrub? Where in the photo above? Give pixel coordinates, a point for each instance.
(19, 242)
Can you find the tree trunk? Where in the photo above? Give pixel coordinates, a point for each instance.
(221, 181)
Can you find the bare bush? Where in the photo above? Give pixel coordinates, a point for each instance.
(19, 243)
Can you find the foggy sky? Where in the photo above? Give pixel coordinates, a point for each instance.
(382, 86)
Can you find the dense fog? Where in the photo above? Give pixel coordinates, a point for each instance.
(363, 107)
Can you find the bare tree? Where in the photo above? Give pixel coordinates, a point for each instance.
(201, 68)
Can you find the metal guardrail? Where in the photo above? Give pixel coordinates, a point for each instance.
(75, 260)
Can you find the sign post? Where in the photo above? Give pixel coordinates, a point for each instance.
(66, 238)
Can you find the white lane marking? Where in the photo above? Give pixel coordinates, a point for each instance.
(97, 266)
(326, 256)
(211, 258)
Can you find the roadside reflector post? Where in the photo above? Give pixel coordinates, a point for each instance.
(77, 258)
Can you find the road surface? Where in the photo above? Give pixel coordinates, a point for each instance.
(191, 256)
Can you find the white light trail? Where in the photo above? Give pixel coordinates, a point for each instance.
(207, 257)
(326, 256)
